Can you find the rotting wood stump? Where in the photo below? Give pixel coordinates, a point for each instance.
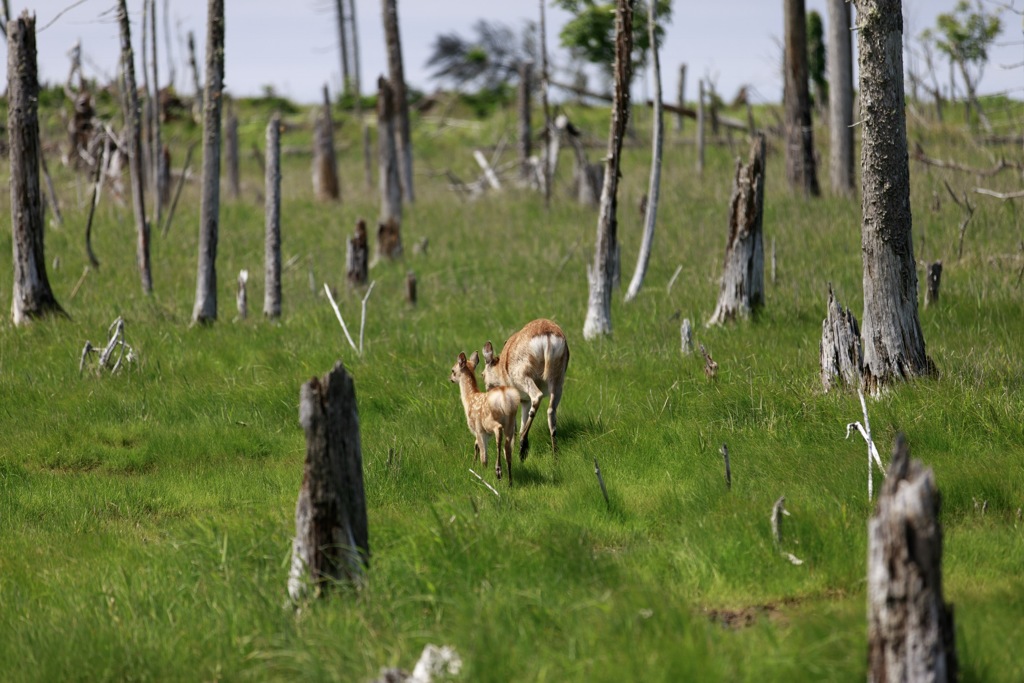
(910, 626)
(356, 256)
(742, 287)
(389, 240)
(331, 535)
(841, 356)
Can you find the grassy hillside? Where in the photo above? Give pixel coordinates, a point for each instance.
(146, 518)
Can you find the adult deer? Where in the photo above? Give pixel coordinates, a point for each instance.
(487, 412)
(534, 361)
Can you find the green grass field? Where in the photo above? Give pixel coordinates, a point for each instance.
(146, 518)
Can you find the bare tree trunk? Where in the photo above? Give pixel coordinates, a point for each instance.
(389, 229)
(931, 295)
(31, 294)
(359, 95)
(272, 215)
(893, 341)
(700, 126)
(910, 626)
(654, 186)
(743, 273)
(130, 106)
(160, 176)
(601, 274)
(840, 81)
(346, 75)
(396, 74)
(325, 163)
(801, 171)
(525, 131)
(332, 539)
(681, 97)
(840, 349)
(205, 309)
(231, 152)
(197, 104)
(356, 256)
(544, 79)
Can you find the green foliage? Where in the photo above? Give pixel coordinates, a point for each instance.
(591, 31)
(146, 518)
(816, 65)
(485, 102)
(488, 61)
(966, 33)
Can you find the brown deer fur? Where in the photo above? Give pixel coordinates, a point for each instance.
(487, 412)
(533, 361)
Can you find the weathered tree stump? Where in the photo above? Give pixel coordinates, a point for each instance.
(356, 256)
(934, 280)
(410, 287)
(389, 240)
(686, 337)
(325, 163)
(742, 287)
(331, 534)
(389, 182)
(272, 222)
(841, 358)
(242, 295)
(910, 626)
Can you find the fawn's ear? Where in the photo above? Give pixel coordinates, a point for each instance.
(488, 353)
(462, 360)
(474, 359)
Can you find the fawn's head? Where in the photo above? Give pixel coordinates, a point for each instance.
(491, 378)
(464, 365)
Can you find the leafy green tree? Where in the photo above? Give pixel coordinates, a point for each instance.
(591, 31)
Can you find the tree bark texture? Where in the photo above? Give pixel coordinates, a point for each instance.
(910, 626)
(205, 309)
(31, 294)
(357, 256)
(893, 341)
(840, 92)
(742, 287)
(654, 185)
(396, 74)
(387, 163)
(272, 215)
(602, 273)
(801, 171)
(325, 163)
(130, 107)
(525, 130)
(331, 534)
(231, 153)
(840, 349)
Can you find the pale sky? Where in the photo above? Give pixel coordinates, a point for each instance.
(292, 45)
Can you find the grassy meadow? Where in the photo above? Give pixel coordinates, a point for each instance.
(146, 518)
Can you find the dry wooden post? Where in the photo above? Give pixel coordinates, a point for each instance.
(910, 626)
(602, 272)
(390, 184)
(396, 75)
(800, 165)
(130, 107)
(934, 279)
(389, 240)
(840, 349)
(525, 130)
(325, 163)
(357, 256)
(331, 533)
(681, 98)
(686, 337)
(410, 287)
(205, 308)
(654, 184)
(242, 295)
(700, 126)
(31, 294)
(742, 287)
(272, 218)
(231, 151)
(840, 92)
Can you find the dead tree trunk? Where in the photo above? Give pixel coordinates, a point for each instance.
(742, 287)
(160, 174)
(390, 185)
(396, 74)
(205, 308)
(197, 103)
(331, 534)
(130, 106)
(654, 186)
(526, 171)
(602, 273)
(357, 256)
(840, 89)
(272, 214)
(325, 163)
(544, 76)
(801, 171)
(893, 341)
(700, 127)
(840, 348)
(32, 296)
(910, 625)
(231, 152)
(934, 280)
(681, 97)
(357, 82)
(346, 75)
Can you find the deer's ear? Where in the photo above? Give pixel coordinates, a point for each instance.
(462, 360)
(474, 359)
(488, 353)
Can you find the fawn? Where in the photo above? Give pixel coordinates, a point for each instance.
(487, 412)
(534, 361)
